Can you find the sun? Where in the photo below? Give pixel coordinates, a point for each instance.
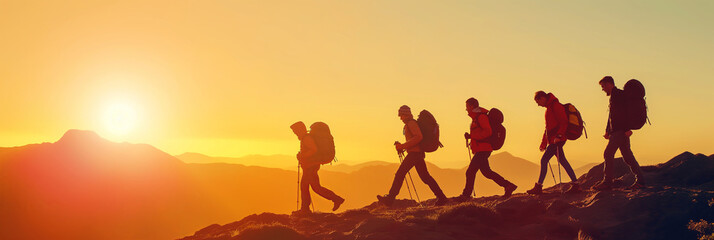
(120, 118)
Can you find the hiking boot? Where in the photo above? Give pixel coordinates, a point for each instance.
(441, 201)
(574, 188)
(537, 189)
(463, 198)
(603, 186)
(337, 203)
(302, 212)
(386, 200)
(635, 186)
(509, 190)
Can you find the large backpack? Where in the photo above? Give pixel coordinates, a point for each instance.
(575, 122)
(320, 133)
(498, 135)
(636, 104)
(429, 131)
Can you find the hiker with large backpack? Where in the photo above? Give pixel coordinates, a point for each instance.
(628, 111)
(316, 147)
(560, 125)
(485, 132)
(421, 136)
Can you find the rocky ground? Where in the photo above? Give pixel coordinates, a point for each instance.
(677, 204)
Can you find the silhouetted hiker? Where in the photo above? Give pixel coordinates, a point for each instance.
(480, 136)
(309, 159)
(618, 132)
(556, 124)
(415, 158)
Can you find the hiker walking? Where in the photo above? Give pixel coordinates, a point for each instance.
(316, 147)
(620, 124)
(554, 137)
(480, 136)
(415, 158)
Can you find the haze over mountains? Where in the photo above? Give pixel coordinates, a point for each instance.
(288, 162)
(270, 161)
(85, 187)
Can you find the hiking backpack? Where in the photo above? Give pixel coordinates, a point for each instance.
(320, 133)
(636, 104)
(498, 131)
(575, 122)
(429, 131)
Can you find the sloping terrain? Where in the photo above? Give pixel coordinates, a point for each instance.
(679, 191)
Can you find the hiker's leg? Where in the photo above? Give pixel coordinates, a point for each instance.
(629, 158)
(420, 166)
(564, 162)
(474, 166)
(406, 165)
(609, 155)
(547, 155)
(320, 190)
(307, 178)
(490, 174)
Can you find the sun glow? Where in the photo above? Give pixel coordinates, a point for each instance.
(120, 119)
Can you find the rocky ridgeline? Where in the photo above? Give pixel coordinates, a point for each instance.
(679, 191)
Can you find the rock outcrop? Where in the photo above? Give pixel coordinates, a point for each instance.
(678, 192)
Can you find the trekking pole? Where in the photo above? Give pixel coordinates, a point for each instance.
(297, 201)
(405, 180)
(413, 186)
(560, 179)
(551, 172)
(468, 149)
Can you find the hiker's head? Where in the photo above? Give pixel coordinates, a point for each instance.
(541, 98)
(607, 84)
(405, 113)
(299, 129)
(471, 104)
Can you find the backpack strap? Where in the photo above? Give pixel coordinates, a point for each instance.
(404, 131)
(485, 140)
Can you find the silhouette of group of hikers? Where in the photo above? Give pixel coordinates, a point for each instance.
(563, 122)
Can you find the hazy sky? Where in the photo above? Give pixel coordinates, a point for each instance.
(227, 78)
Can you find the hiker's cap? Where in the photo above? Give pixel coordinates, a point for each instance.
(405, 110)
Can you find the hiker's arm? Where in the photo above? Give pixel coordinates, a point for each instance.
(544, 141)
(608, 127)
(562, 123)
(413, 128)
(485, 127)
(309, 148)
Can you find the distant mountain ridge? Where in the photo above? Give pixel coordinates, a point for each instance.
(288, 162)
(55, 190)
(150, 194)
(86, 187)
(270, 161)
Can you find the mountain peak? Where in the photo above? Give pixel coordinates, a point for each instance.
(685, 154)
(75, 136)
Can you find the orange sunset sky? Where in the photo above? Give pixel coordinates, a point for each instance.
(227, 78)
